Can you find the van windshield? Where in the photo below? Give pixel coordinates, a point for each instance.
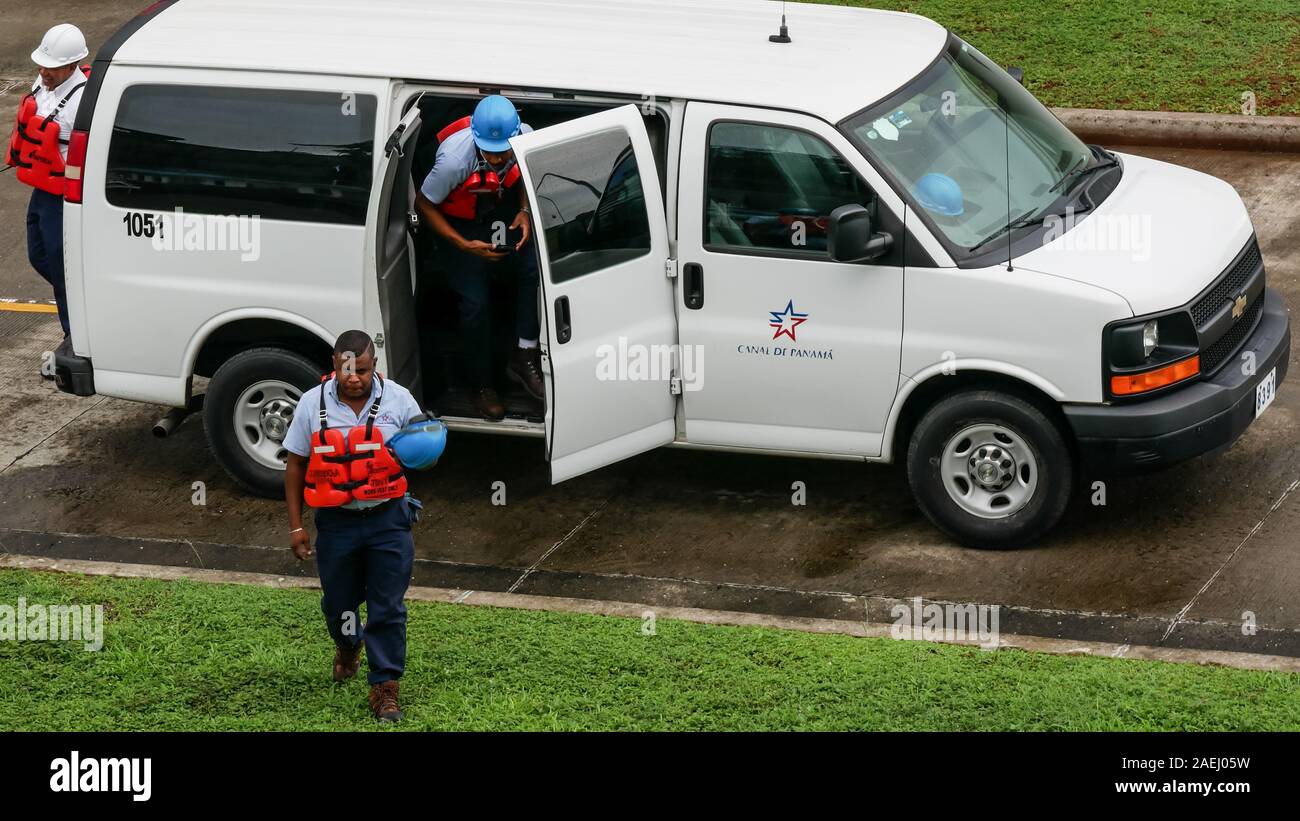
(949, 138)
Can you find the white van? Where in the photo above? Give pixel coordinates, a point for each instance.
(857, 253)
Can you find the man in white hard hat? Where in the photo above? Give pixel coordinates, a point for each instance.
(39, 149)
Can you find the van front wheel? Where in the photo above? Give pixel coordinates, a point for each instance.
(990, 469)
(247, 410)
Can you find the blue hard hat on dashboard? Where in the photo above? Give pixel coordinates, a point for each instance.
(494, 122)
(420, 443)
(941, 194)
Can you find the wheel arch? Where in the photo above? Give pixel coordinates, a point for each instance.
(933, 384)
(225, 335)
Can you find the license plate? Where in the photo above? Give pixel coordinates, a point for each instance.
(1265, 392)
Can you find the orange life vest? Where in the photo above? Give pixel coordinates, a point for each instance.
(357, 465)
(463, 201)
(35, 141)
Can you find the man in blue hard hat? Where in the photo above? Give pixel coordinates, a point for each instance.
(474, 200)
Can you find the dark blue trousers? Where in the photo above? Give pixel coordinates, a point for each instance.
(470, 277)
(45, 245)
(367, 557)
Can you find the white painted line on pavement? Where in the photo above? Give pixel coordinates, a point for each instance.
(1188, 607)
(555, 547)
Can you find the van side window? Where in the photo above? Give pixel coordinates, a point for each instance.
(306, 156)
(771, 188)
(591, 204)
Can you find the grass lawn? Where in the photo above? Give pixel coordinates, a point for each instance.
(194, 656)
(1171, 55)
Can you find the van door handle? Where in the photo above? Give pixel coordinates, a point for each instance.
(563, 322)
(693, 285)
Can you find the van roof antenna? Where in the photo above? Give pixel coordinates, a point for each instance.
(784, 36)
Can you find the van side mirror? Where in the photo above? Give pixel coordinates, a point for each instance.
(1017, 74)
(849, 235)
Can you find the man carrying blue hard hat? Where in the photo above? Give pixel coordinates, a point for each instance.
(352, 439)
(474, 200)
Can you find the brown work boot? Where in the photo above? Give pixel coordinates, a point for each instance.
(347, 662)
(525, 369)
(488, 404)
(383, 701)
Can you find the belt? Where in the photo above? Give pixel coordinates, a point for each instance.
(363, 511)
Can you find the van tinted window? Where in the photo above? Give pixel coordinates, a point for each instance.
(289, 155)
(773, 188)
(591, 204)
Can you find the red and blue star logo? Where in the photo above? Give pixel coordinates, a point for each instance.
(784, 322)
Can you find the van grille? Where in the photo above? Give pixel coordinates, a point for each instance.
(1218, 346)
(1229, 285)
(1216, 354)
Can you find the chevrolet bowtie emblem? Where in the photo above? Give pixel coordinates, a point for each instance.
(1239, 306)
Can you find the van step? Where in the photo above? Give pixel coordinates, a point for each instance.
(519, 405)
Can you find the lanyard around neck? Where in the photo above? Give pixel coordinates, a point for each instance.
(370, 416)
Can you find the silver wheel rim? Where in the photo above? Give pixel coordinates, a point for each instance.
(989, 471)
(261, 418)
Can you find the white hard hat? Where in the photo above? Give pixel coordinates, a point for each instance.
(61, 45)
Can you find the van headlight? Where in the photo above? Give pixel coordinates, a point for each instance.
(1140, 354)
(1150, 337)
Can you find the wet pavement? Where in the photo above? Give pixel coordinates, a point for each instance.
(1174, 559)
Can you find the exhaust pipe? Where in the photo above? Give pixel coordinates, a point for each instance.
(173, 418)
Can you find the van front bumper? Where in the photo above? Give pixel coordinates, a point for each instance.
(1204, 416)
(73, 374)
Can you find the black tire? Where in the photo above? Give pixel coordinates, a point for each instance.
(237, 374)
(1054, 464)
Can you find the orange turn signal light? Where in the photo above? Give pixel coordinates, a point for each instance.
(1159, 378)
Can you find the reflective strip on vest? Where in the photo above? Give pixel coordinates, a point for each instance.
(363, 470)
(34, 145)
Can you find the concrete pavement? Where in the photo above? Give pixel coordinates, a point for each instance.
(1173, 559)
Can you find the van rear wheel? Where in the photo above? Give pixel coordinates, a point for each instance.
(990, 469)
(246, 414)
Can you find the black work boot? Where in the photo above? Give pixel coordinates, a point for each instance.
(525, 370)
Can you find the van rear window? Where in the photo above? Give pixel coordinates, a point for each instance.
(305, 156)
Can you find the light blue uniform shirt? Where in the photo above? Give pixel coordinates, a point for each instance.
(395, 411)
(456, 159)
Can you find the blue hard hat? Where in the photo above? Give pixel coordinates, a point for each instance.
(941, 194)
(494, 122)
(420, 443)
